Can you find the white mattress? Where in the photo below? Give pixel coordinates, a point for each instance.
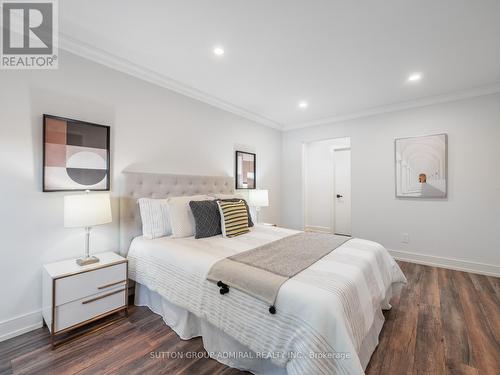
(326, 309)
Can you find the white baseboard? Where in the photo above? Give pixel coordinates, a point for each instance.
(453, 264)
(20, 324)
(312, 228)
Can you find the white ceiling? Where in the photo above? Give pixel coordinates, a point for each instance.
(344, 57)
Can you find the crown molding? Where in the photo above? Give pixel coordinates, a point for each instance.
(123, 65)
(423, 102)
(126, 66)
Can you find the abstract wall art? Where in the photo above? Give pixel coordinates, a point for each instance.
(245, 170)
(421, 166)
(76, 155)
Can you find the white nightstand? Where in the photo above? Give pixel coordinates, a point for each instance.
(74, 296)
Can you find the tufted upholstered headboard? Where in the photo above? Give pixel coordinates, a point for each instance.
(138, 185)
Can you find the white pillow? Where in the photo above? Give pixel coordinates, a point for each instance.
(181, 217)
(154, 216)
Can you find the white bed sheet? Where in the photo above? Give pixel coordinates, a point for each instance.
(324, 314)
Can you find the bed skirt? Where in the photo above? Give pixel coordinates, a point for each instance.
(226, 349)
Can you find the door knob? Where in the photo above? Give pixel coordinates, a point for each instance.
(339, 196)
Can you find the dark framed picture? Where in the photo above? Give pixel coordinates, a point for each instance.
(245, 170)
(76, 155)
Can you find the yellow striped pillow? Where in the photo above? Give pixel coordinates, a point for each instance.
(234, 218)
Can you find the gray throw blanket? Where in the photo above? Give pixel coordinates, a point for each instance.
(260, 272)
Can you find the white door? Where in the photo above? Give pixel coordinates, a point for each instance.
(342, 192)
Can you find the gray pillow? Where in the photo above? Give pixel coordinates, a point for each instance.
(206, 218)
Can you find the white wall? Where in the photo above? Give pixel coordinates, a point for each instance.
(319, 182)
(465, 226)
(153, 129)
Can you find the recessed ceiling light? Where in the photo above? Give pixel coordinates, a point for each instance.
(303, 104)
(414, 77)
(218, 51)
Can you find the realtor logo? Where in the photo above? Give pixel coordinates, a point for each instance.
(29, 34)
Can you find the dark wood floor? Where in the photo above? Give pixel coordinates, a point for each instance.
(444, 322)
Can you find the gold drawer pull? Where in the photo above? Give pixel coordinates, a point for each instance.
(107, 286)
(103, 296)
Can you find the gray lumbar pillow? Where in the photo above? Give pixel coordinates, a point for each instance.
(206, 218)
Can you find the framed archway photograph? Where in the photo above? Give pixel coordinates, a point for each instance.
(421, 166)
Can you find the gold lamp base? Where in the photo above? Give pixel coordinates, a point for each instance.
(87, 261)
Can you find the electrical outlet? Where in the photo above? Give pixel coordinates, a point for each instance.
(405, 238)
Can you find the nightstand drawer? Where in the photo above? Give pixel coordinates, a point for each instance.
(76, 287)
(84, 309)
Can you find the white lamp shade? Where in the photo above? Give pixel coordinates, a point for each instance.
(86, 210)
(258, 198)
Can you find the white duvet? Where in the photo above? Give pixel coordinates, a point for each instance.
(323, 314)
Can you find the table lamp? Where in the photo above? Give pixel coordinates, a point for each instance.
(85, 211)
(258, 199)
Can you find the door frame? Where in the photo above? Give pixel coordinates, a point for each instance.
(304, 174)
(334, 192)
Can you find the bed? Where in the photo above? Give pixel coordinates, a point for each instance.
(328, 316)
